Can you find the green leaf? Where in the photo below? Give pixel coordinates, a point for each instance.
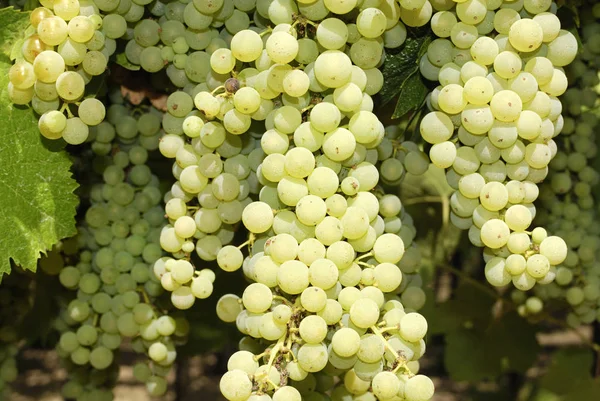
(122, 60)
(570, 367)
(13, 27)
(508, 344)
(16, 53)
(513, 339)
(412, 95)
(470, 307)
(402, 63)
(466, 357)
(587, 389)
(37, 203)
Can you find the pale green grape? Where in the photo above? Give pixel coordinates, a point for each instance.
(417, 17)
(282, 47)
(257, 298)
(525, 35)
(345, 342)
(235, 385)
(494, 196)
(538, 266)
(48, 66)
(385, 385)
(323, 273)
(506, 106)
(452, 99)
(52, 124)
(52, 30)
(388, 276)
(91, 111)
(442, 23)
(563, 49)
(287, 393)
(299, 162)
(314, 299)
(222, 61)
(333, 69)
(507, 64)
(293, 277)
(322, 182)
(484, 50)
(313, 329)
(495, 233)
(371, 22)
(515, 264)
(554, 249)
(418, 388)
(436, 127)
(291, 190)
(325, 117)
(478, 91)
(76, 131)
(339, 144)
(312, 357)
(183, 298)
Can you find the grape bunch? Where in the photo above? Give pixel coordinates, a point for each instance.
(67, 49)
(500, 68)
(114, 286)
(567, 205)
(15, 304)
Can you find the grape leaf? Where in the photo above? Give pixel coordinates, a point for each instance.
(467, 359)
(470, 307)
(400, 65)
(13, 25)
(37, 203)
(587, 389)
(514, 340)
(568, 369)
(508, 344)
(412, 95)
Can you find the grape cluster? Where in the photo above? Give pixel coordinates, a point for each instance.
(277, 132)
(567, 205)
(68, 48)
(500, 68)
(14, 305)
(116, 288)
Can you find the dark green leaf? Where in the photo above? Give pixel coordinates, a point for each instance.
(466, 357)
(513, 339)
(507, 345)
(412, 95)
(588, 389)
(470, 307)
(569, 368)
(403, 62)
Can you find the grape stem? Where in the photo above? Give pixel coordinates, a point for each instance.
(283, 299)
(266, 31)
(65, 107)
(273, 355)
(366, 255)
(217, 89)
(399, 361)
(365, 265)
